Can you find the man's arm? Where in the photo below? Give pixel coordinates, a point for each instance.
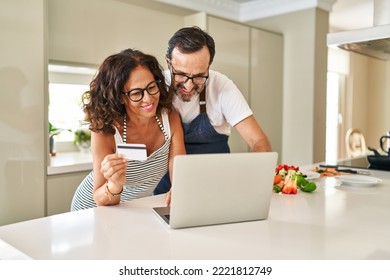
(253, 135)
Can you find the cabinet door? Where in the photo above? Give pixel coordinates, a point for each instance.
(232, 59)
(22, 107)
(60, 190)
(266, 84)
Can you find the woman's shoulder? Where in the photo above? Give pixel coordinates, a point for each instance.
(174, 119)
(102, 142)
(169, 113)
(173, 115)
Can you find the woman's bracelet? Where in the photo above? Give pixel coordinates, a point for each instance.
(109, 192)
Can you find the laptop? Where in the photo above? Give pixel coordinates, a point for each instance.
(209, 189)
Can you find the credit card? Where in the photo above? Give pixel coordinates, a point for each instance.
(132, 151)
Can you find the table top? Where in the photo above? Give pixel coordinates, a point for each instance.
(334, 222)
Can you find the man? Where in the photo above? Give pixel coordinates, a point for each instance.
(208, 102)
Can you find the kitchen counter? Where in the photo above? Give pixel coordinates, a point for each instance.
(67, 162)
(334, 222)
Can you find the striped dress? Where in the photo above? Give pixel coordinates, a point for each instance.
(142, 177)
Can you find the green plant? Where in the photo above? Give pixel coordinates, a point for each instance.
(53, 130)
(82, 135)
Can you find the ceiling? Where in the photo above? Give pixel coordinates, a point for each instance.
(343, 14)
(351, 14)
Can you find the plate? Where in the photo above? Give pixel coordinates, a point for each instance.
(358, 180)
(311, 175)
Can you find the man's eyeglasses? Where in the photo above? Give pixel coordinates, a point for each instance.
(180, 78)
(136, 94)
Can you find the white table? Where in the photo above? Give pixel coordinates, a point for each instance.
(334, 222)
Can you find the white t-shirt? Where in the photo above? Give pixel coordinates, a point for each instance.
(225, 104)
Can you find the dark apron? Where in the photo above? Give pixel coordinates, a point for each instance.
(200, 137)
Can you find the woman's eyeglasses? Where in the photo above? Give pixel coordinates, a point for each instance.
(136, 94)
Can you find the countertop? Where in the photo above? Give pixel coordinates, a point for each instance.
(334, 222)
(67, 162)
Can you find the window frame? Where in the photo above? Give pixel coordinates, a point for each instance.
(66, 73)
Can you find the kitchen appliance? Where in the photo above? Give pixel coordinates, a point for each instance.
(377, 161)
(373, 41)
(367, 162)
(381, 161)
(359, 162)
(382, 140)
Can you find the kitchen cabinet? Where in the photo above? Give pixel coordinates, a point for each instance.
(266, 83)
(22, 110)
(60, 190)
(232, 59)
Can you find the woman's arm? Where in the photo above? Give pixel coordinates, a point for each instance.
(109, 169)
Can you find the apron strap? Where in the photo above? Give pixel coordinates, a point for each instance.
(202, 101)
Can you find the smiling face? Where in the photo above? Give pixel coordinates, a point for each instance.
(192, 65)
(141, 78)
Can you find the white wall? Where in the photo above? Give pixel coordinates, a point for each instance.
(357, 87)
(22, 111)
(303, 79)
(378, 101)
(368, 94)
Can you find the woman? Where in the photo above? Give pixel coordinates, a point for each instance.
(128, 103)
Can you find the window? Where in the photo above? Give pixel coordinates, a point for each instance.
(67, 83)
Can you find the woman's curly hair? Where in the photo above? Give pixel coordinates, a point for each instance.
(103, 104)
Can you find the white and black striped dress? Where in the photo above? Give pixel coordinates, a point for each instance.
(142, 177)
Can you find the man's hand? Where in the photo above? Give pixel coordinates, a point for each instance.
(168, 198)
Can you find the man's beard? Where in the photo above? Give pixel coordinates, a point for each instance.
(186, 97)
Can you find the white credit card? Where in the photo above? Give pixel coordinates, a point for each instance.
(132, 151)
